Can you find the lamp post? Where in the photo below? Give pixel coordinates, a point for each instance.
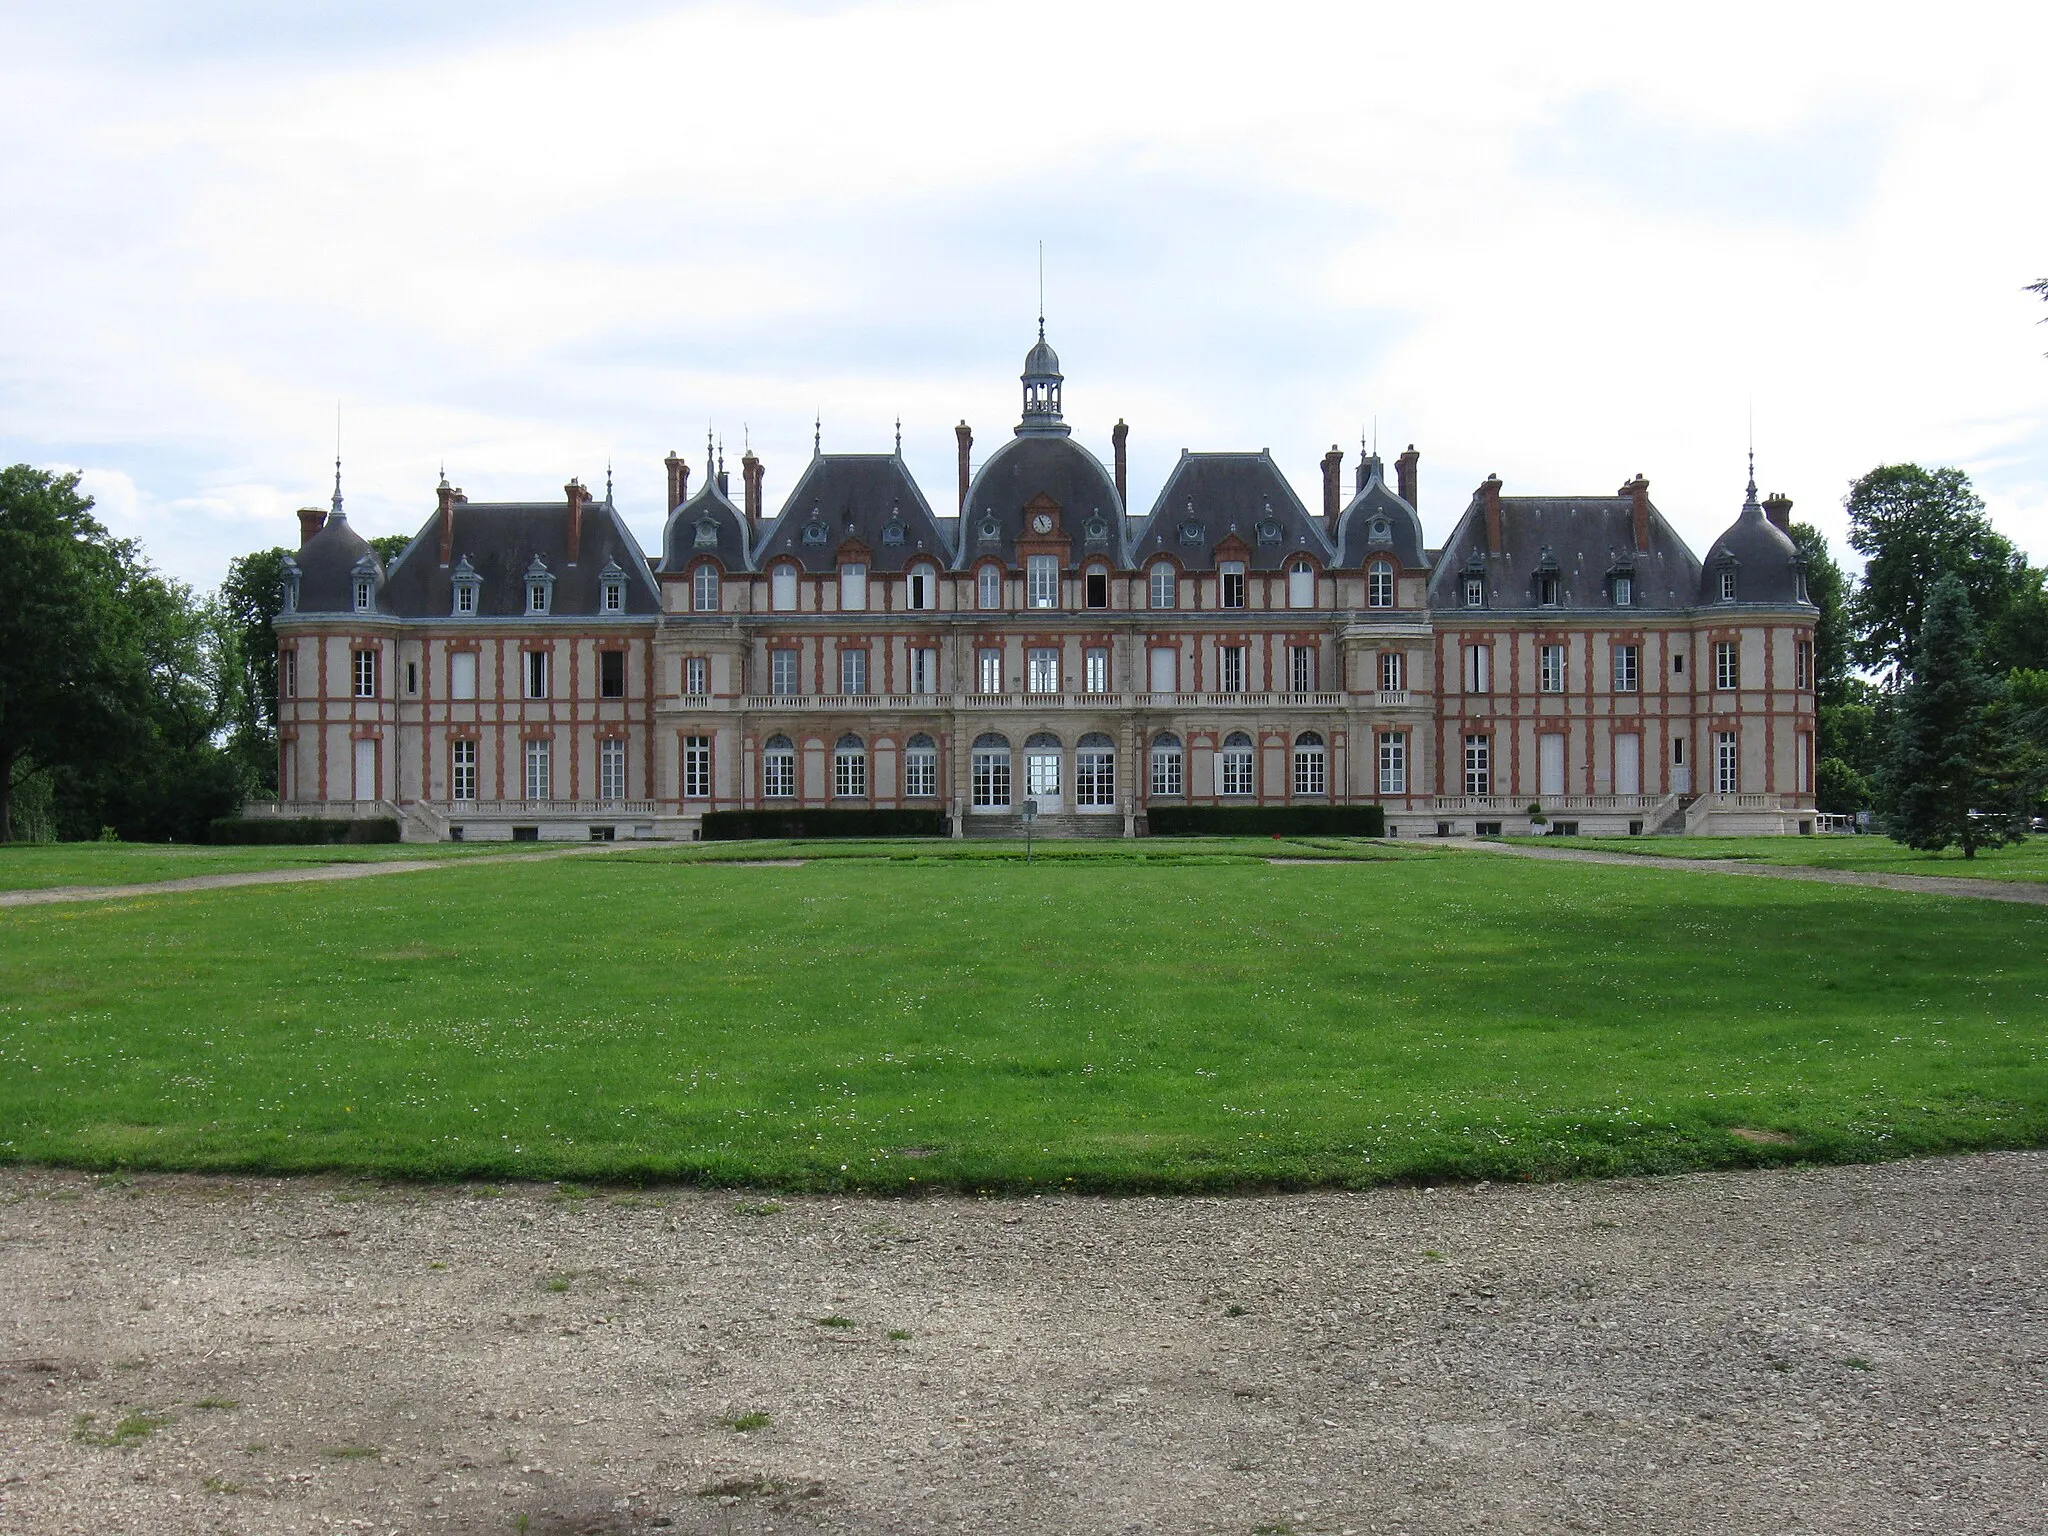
(1030, 815)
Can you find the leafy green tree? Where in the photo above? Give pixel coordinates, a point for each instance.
(2017, 639)
(1828, 589)
(1949, 778)
(244, 609)
(390, 546)
(1914, 526)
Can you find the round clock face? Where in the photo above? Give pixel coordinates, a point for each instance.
(1042, 522)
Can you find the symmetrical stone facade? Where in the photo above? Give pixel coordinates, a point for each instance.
(522, 669)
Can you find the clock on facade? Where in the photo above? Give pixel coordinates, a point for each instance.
(1042, 523)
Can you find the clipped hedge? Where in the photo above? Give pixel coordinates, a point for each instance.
(1267, 821)
(301, 829)
(737, 826)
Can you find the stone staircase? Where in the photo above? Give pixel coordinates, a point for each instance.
(1105, 824)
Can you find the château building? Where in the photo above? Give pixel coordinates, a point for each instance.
(523, 670)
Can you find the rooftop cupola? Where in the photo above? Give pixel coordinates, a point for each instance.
(1042, 380)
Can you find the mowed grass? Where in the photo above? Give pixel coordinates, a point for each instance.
(2018, 861)
(1076, 1023)
(41, 866)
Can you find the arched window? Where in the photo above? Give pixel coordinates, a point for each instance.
(850, 769)
(1166, 766)
(1379, 584)
(988, 586)
(1160, 588)
(920, 767)
(1309, 764)
(778, 769)
(704, 589)
(991, 772)
(1234, 765)
(924, 587)
(1301, 585)
(1042, 766)
(1095, 772)
(782, 588)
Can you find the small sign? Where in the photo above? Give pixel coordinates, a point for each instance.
(1030, 810)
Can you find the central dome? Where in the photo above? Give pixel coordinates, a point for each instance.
(1041, 359)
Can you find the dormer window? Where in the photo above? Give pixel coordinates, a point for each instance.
(815, 532)
(288, 588)
(704, 589)
(364, 590)
(540, 588)
(468, 589)
(614, 598)
(363, 584)
(1727, 583)
(1622, 587)
(1475, 591)
(1546, 589)
(1799, 584)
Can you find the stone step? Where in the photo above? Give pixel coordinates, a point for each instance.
(1109, 824)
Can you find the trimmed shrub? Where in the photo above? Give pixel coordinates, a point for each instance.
(736, 826)
(301, 829)
(1267, 821)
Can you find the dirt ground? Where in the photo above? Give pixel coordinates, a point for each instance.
(1843, 1350)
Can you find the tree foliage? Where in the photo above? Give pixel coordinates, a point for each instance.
(248, 602)
(1949, 779)
(1828, 589)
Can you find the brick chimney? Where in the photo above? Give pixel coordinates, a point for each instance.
(964, 434)
(1119, 435)
(678, 480)
(1333, 484)
(577, 496)
(311, 521)
(1489, 502)
(1778, 508)
(1638, 493)
(751, 471)
(1404, 476)
(445, 518)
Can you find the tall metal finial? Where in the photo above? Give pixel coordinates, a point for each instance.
(337, 460)
(817, 432)
(899, 437)
(1041, 290)
(607, 480)
(721, 461)
(710, 464)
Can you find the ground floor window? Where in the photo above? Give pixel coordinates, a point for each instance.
(1393, 762)
(1309, 764)
(1095, 772)
(778, 769)
(1234, 765)
(696, 767)
(1478, 765)
(991, 773)
(920, 768)
(1727, 763)
(462, 770)
(1042, 772)
(1166, 766)
(611, 767)
(540, 778)
(850, 769)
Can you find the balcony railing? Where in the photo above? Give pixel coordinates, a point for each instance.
(461, 808)
(1552, 804)
(839, 703)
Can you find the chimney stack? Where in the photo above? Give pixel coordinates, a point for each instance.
(964, 434)
(1778, 508)
(1333, 484)
(1404, 476)
(1489, 501)
(750, 481)
(577, 495)
(678, 480)
(311, 521)
(1119, 435)
(445, 516)
(1638, 493)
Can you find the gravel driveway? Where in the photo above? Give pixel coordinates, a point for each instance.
(1852, 1350)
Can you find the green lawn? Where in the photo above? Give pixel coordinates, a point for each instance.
(1082, 1022)
(2021, 861)
(39, 866)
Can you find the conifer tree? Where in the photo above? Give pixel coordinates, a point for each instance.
(1946, 781)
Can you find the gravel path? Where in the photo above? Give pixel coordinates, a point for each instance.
(2026, 892)
(1843, 1350)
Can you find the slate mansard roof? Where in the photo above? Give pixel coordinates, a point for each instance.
(1377, 521)
(500, 542)
(1581, 539)
(707, 524)
(868, 499)
(1213, 497)
(1768, 566)
(1031, 465)
(328, 564)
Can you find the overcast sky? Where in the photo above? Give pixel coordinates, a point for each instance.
(1560, 244)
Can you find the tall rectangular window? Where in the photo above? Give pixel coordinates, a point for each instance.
(988, 672)
(1393, 762)
(536, 674)
(1475, 591)
(1393, 672)
(1727, 664)
(1379, 584)
(1234, 766)
(782, 673)
(1727, 763)
(1478, 669)
(540, 778)
(988, 587)
(1627, 668)
(462, 674)
(1301, 668)
(853, 588)
(1042, 581)
(1095, 670)
(922, 581)
(412, 679)
(778, 770)
(704, 589)
(611, 769)
(1624, 591)
(462, 770)
(1230, 577)
(1628, 764)
(1043, 674)
(696, 676)
(1309, 767)
(1160, 586)
(1166, 767)
(920, 770)
(853, 672)
(1231, 662)
(696, 767)
(1301, 585)
(1165, 670)
(288, 673)
(611, 674)
(924, 670)
(1550, 765)
(782, 588)
(991, 777)
(1096, 588)
(615, 597)
(1802, 664)
(1550, 668)
(365, 674)
(1478, 765)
